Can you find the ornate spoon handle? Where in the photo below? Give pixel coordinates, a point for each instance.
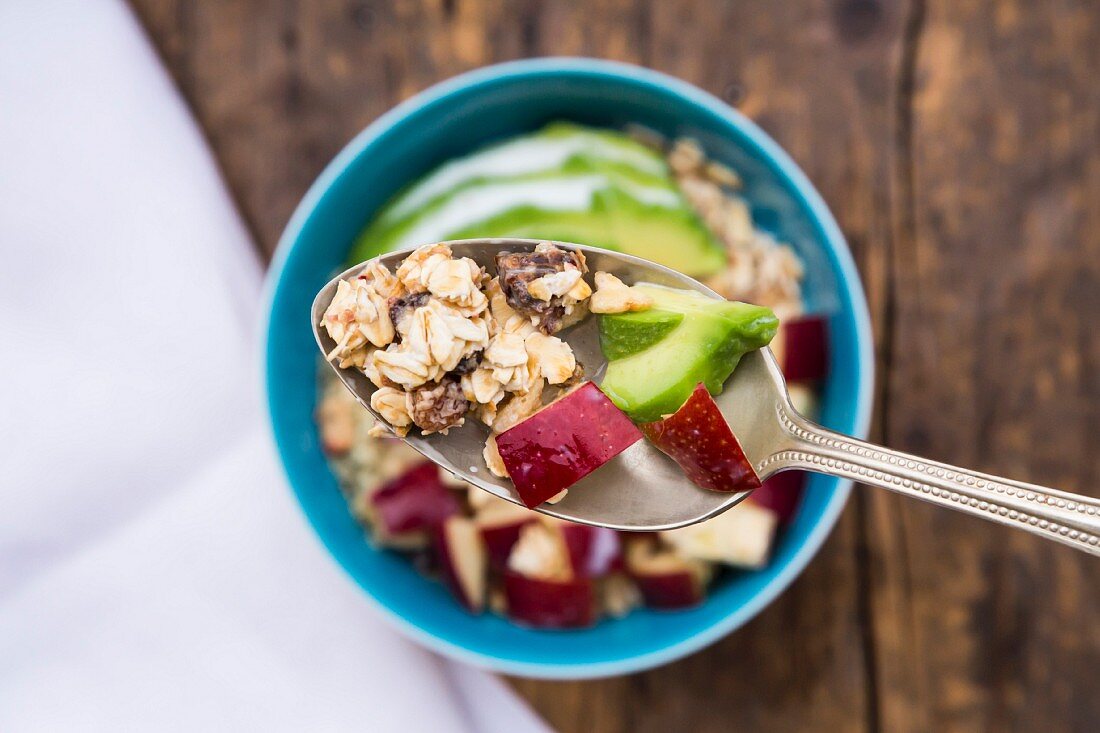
(1056, 515)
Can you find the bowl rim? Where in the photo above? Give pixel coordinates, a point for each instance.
(782, 164)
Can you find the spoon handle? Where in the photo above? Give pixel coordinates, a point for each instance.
(1056, 515)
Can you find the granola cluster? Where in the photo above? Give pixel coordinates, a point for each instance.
(761, 270)
(442, 340)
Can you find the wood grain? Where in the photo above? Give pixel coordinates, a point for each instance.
(994, 367)
(955, 140)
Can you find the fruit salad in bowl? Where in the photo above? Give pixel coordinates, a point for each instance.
(565, 150)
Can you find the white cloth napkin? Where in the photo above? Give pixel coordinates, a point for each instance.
(154, 572)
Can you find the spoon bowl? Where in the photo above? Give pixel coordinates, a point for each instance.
(644, 490)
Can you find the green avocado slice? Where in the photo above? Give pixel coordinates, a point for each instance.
(634, 206)
(705, 346)
(625, 334)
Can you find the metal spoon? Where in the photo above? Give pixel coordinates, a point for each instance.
(643, 489)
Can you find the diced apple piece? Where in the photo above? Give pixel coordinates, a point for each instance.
(669, 590)
(564, 442)
(781, 493)
(741, 536)
(414, 501)
(550, 604)
(665, 578)
(699, 439)
(619, 594)
(462, 561)
(541, 553)
(500, 524)
(500, 539)
(802, 348)
(593, 551)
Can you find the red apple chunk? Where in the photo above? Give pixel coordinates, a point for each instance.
(593, 551)
(563, 442)
(500, 523)
(802, 348)
(462, 561)
(698, 438)
(550, 604)
(666, 579)
(414, 501)
(780, 493)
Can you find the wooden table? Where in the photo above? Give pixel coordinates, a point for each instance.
(957, 143)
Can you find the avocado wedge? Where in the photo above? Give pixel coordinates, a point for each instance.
(705, 346)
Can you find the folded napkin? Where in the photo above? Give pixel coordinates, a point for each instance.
(154, 571)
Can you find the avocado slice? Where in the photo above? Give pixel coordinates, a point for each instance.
(671, 236)
(625, 334)
(704, 347)
(564, 182)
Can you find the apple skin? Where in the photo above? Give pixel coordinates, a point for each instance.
(802, 349)
(665, 580)
(500, 523)
(593, 551)
(550, 604)
(782, 493)
(699, 439)
(414, 501)
(462, 561)
(563, 442)
(670, 590)
(501, 538)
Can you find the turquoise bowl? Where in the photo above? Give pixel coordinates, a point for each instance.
(456, 117)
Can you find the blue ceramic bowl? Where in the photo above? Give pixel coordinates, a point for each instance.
(454, 118)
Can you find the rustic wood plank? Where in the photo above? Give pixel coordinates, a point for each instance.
(994, 366)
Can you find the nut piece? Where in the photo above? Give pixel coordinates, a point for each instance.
(554, 273)
(435, 408)
(614, 296)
